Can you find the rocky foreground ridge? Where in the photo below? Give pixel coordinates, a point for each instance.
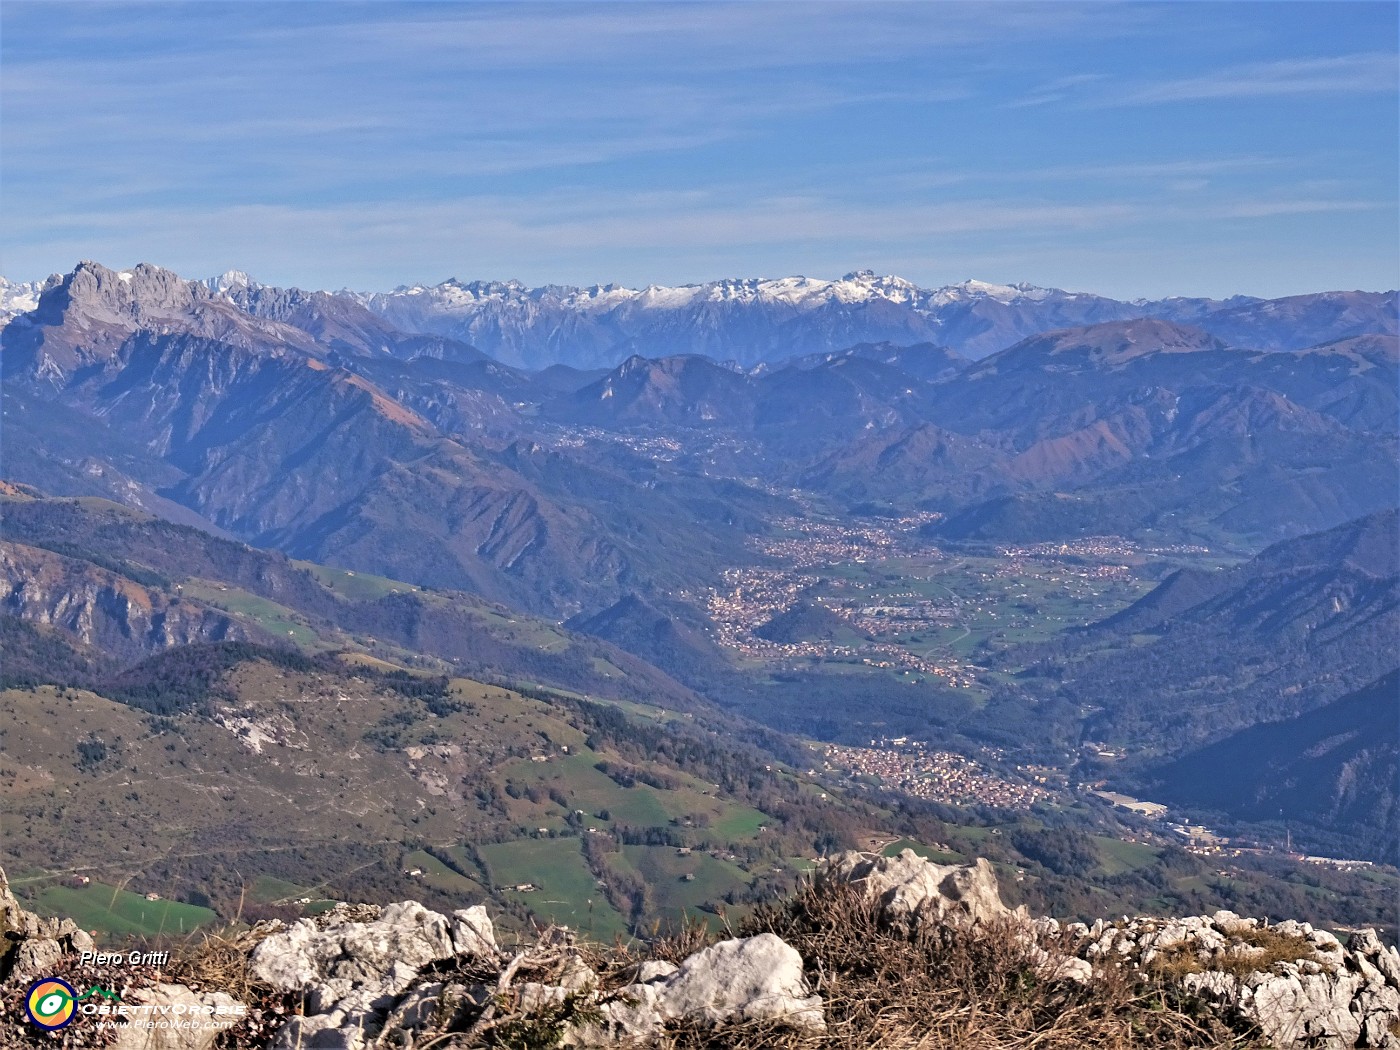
(873, 952)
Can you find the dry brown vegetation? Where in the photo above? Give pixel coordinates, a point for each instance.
(933, 988)
(218, 962)
(940, 988)
(1257, 949)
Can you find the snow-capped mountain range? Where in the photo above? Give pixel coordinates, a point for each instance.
(751, 321)
(800, 292)
(18, 297)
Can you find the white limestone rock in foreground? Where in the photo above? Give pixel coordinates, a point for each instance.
(1328, 997)
(183, 1019)
(747, 979)
(911, 888)
(357, 970)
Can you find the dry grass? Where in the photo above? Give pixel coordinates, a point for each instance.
(218, 962)
(946, 989)
(1251, 950)
(935, 988)
(679, 944)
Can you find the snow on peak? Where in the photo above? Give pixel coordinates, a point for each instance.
(798, 292)
(18, 297)
(1002, 293)
(229, 281)
(473, 309)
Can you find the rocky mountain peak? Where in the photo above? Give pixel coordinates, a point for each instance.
(634, 365)
(139, 293)
(86, 316)
(229, 280)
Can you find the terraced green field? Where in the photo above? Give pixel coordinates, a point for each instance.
(740, 823)
(1117, 856)
(276, 619)
(110, 910)
(565, 889)
(593, 791)
(354, 586)
(439, 876)
(665, 870)
(271, 890)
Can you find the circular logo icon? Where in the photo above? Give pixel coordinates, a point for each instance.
(50, 1003)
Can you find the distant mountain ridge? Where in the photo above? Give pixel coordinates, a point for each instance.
(308, 422)
(757, 320)
(1334, 768)
(269, 434)
(1301, 624)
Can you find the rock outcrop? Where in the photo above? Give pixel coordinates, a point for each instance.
(352, 973)
(31, 946)
(358, 973)
(912, 889)
(1296, 985)
(104, 609)
(405, 976)
(748, 979)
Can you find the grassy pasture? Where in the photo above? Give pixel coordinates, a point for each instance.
(439, 876)
(664, 869)
(1117, 856)
(354, 586)
(565, 890)
(110, 910)
(277, 620)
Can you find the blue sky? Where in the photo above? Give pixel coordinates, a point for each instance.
(1127, 149)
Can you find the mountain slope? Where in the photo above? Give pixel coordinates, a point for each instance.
(1316, 565)
(925, 361)
(107, 610)
(1155, 425)
(266, 775)
(258, 594)
(658, 636)
(1334, 768)
(1205, 655)
(675, 391)
(257, 429)
(1300, 321)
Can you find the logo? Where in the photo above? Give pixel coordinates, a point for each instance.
(51, 1003)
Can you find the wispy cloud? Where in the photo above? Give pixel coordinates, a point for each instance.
(720, 36)
(1268, 209)
(499, 236)
(1057, 90)
(379, 142)
(1154, 171)
(1369, 72)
